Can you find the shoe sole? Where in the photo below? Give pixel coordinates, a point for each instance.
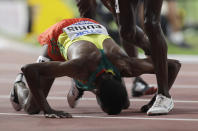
(157, 114)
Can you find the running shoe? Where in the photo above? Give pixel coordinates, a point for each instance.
(74, 95)
(162, 105)
(140, 88)
(14, 99)
(146, 107)
(13, 95)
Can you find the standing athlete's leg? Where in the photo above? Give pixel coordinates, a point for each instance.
(159, 56)
(132, 35)
(173, 69)
(87, 8)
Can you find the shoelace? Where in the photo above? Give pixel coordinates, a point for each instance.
(158, 102)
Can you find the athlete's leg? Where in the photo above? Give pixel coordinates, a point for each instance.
(173, 69)
(142, 41)
(87, 8)
(136, 37)
(158, 44)
(159, 57)
(127, 19)
(139, 87)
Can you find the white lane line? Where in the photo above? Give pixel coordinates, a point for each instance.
(112, 117)
(184, 86)
(68, 84)
(94, 99)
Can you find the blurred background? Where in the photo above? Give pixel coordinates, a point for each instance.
(23, 20)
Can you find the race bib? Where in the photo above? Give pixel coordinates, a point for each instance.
(84, 28)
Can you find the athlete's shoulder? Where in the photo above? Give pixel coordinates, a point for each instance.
(55, 30)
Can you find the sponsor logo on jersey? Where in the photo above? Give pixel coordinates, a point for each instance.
(84, 28)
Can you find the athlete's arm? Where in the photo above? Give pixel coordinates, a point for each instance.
(35, 72)
(128, 66)
(133, 67)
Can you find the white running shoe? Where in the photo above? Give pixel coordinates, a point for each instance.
(162, 105)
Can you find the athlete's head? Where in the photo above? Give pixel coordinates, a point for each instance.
(111, 94)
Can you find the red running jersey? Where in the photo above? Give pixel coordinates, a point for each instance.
(50, 36)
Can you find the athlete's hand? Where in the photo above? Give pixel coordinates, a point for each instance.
(57, 114)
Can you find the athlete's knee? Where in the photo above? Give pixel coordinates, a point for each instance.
(177, 64)
(174, 65)
(151, 25)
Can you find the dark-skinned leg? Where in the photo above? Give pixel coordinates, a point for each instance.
(128, 35)
(173, 69)
(159, 57)
(87, 8)
(139, 86)
(131, 36)
(142, 41)
(158, 44)
(127, 19)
